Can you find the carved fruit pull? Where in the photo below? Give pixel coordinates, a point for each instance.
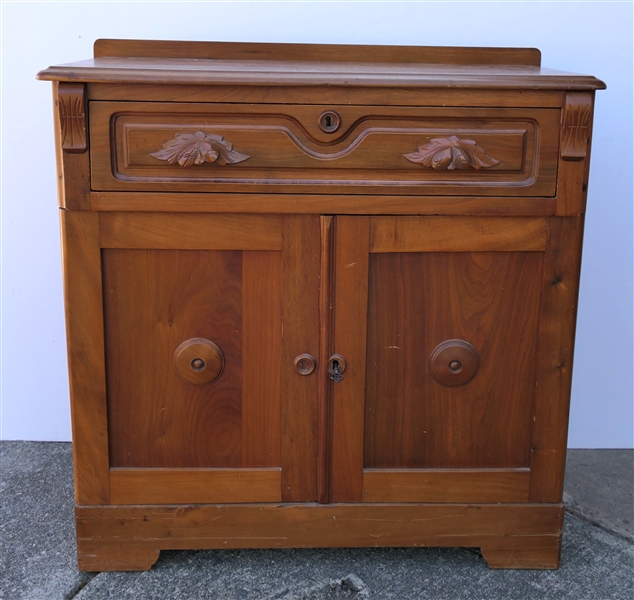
(197, 148)
(452, 153)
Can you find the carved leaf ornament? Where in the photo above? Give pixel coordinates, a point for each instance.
(195, 149)
(452, 153)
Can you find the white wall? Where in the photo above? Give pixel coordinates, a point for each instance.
(593, 38)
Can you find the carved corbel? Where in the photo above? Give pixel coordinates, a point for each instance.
(575, 131)
(71, 104)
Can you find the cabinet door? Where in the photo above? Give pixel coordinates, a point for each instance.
(457, 333)
(204, 317)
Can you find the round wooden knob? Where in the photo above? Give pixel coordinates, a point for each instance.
(305, 364)
(199, 361)
(454, 362)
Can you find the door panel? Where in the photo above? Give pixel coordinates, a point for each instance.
(418, 300)
(406, 426)
(219, 440)
(156, 300)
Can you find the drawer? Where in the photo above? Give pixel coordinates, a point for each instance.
(323, 149)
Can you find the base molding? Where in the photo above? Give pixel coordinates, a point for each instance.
(129, 538)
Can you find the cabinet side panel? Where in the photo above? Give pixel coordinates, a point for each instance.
(85, 336)
(154, 301)
(557, 322)
(300, 326)
(416, 302)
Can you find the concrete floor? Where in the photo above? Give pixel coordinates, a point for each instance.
(38, 549)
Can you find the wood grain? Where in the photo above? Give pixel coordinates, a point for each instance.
(194, 486)
(86, 364)
(95, 556)
(350, 323)
(556, 340)
(261, 358)
(519, 552)
(576, 135)
(72, 169)
(457, 234)
(327, 229)
(418, 300)
(286, 147)
(300, 310)
(316, 204)
(71, 106)
(446, 485)
(367, 95)
(190, 231)
(207, 71)
(317, 526)
(155, 300)
(317, 52)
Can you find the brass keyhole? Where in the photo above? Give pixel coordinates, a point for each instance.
(328, 120)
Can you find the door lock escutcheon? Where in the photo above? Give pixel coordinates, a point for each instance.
(336, 366)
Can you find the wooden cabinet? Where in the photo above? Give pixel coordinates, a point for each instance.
(319, 296)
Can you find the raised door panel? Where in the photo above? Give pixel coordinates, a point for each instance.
(441, 345)
(196, 352)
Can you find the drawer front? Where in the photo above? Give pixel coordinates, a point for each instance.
(289, 148)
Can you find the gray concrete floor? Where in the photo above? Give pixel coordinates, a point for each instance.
(37, 548)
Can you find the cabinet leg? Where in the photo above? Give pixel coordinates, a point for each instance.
(523, 552)
(112, 556)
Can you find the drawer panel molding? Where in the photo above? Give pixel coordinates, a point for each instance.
(140, 146)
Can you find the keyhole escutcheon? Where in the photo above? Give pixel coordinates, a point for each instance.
(336, 367)
(329, 121)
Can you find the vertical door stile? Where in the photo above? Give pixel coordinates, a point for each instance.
(300, 335)
(350, 325)
(325, 350)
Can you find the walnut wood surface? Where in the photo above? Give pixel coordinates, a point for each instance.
(294, 72)
(71, 105)
(559, 293)
(297, 94)
(349, 340)
(190, 232)
(315, 204)
(327, 231)
(518, 552)
(317, 52)
(262, 346)
(416, 301)
(154, 301)
(448, 485)
(457, 234)
(100, 531)
(200, 486)
(574, 163)
(73, 169)
(300, 308)
(86, 363)
(445, 206)
(371, 151)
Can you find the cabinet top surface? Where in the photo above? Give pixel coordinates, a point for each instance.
(209, 63)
